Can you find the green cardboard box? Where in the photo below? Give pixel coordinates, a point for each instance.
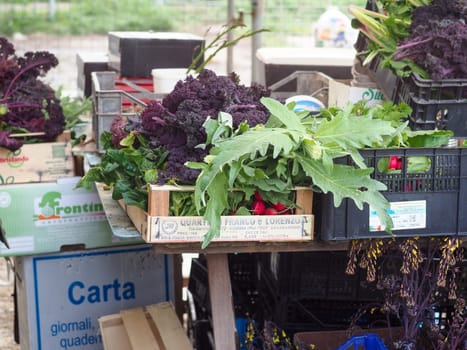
(51, 217)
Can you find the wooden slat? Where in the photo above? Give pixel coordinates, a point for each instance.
(158, 202)
(113, 333)
(220, 292)
(249, 247)
(304, 201)
(171, 334)
(138, 329)
(139, 218)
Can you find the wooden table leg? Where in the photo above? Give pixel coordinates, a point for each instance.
(220, 292)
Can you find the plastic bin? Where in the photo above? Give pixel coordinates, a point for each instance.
(435, 104)
(302, 82)
(112, 96)
(425, 203)
(319, 275)
(330, 340)
(135, 54)
(243, 278)
(363, 342)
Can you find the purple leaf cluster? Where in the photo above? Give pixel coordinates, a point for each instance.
(26, 103)
(438, 39)
(176, 123)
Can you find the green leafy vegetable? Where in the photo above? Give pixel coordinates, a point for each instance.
(292, 151)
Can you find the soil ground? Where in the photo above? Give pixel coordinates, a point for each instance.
(7, 341)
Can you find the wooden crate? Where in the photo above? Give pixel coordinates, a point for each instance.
(154, 327)
(156, 226)
(38, 162)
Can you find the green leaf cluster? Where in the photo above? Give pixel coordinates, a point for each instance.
(291, 150)
(128, 170)
(385, 27)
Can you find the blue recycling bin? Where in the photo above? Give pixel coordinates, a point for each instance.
(368, 341)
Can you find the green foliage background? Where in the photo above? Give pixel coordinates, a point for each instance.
(98, 17)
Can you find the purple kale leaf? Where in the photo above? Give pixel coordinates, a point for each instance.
(176, 124)
(118, 131)
(440, 50)
(9, 142)
(26, 103)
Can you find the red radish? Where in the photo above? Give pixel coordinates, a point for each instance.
(280, 207)
(395, 163)
(258, 207)
(270, 211)
(258, 196)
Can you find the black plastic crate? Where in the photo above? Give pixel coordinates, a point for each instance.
(435, 104)
(427, 203)
(317, 275)
(199, 325)
(296, 314)
(243, 277)
(135, 54)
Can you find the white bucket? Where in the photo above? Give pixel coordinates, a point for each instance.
(165, 79)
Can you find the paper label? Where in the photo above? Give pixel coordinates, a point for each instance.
(406, 215)
(233, 228)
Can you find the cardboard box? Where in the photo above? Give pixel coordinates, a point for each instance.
(153, 327)
(48, 217)
(61, 296)
(157, 226)
(38, 162)
(341, 93)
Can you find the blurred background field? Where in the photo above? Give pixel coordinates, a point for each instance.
(81, 26)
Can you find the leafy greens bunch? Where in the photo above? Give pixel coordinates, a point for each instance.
(291, 150)
(385, 23)
(427, 37)
(437, 39)
(156, 148)
(27, 105)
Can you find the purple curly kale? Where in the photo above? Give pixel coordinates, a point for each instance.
(26, 103)
(425, 17)
(176, 169)
(439, 50)
(176, 124)
(118, 130)
(211, 94)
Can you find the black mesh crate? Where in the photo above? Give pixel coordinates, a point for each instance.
(318, 275)
(435, 104)
(297, 314)
(431, 202)
(243, 277)
(198, 285)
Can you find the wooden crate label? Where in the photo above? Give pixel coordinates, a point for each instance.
(245, 228)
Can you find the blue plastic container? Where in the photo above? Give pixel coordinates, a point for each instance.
(363, 342)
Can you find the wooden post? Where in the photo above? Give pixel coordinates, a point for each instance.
(220, 292)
